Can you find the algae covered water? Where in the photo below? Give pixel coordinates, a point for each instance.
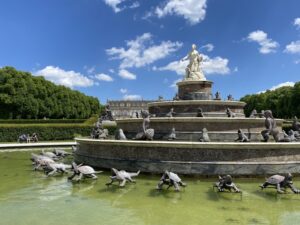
(28, 197)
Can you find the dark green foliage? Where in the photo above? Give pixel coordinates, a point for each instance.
(284, 102)
(38, 121)
(23, 96)
(46, 132)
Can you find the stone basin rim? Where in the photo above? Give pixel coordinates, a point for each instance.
(200, 145)
(197, 102)
(197, 119)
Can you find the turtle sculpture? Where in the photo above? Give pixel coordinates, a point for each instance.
(49, 155)
(280, 183)
(242, 136)
(226, 183)
(61, 153)
(122, 177)
(204, 136)
(83, 171)
(40, 160)
(52, 168)
(170, 179)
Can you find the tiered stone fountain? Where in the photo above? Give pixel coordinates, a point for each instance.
(186, 154)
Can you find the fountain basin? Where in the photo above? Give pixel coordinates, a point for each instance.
(211, 158)
(189, 108)
(189, 128)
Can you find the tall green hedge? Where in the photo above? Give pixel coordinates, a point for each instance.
(46, 132)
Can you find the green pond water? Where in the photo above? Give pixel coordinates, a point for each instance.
(28, 197)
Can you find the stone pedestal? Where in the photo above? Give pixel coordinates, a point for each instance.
(195, 90)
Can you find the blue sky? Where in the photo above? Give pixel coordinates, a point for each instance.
(130, 49)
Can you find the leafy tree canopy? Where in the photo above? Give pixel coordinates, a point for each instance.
(284, 102)
(23, 96)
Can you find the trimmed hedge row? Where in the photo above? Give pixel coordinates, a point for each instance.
(47, 132)
(37, 121)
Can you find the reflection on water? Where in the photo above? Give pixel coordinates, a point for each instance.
(28, 197)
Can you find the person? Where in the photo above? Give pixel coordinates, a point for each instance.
(193, 71)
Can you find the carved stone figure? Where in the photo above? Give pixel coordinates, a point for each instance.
(171, 113)
(193, 71)
(99, 133)
(172, 135)
(24, 138)
(253, 114)
(107, 115)
(120, 135)
(61, 153)
(290, 137)
(122, 177)
(74, 148)
(296, 124)
(230, 98)
(170, 179)
(83, 171)
(230, 113)
(200, 112)
(281, 183)
(52, 168)
(271, 128)
(137, 114)
(34, 138)
(147, 133)
(226, 183)
(176, 97)
(49, 155)
(242, 137)
(218, 96)
(204, 136)
(40, 160)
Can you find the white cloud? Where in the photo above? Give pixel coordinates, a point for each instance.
(297, 22)
(111, 70)
(67, 78)
(297, 61)
(285, 84)
(293, 47)
(127, 75)
(132, 97)
(114, 4)
(216, 65)
(192, 10)
(134, 5)
(89, 70)
(209, 47)
(267, 45)
(123, 90)
(104, 77)
(140, 52)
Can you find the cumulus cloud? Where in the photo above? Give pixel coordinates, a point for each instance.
(216, 65)
(285, 84)
(132, 97)
(297, 22)
(67, 78)
(140, 52)
(104, 77)
(293, 47)
(134, 5)
(267, 45)
(114, 4)
(208, 47)
(125, 74)
(123, 90)
(192, 10)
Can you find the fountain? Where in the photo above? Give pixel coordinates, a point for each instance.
(193, 114)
